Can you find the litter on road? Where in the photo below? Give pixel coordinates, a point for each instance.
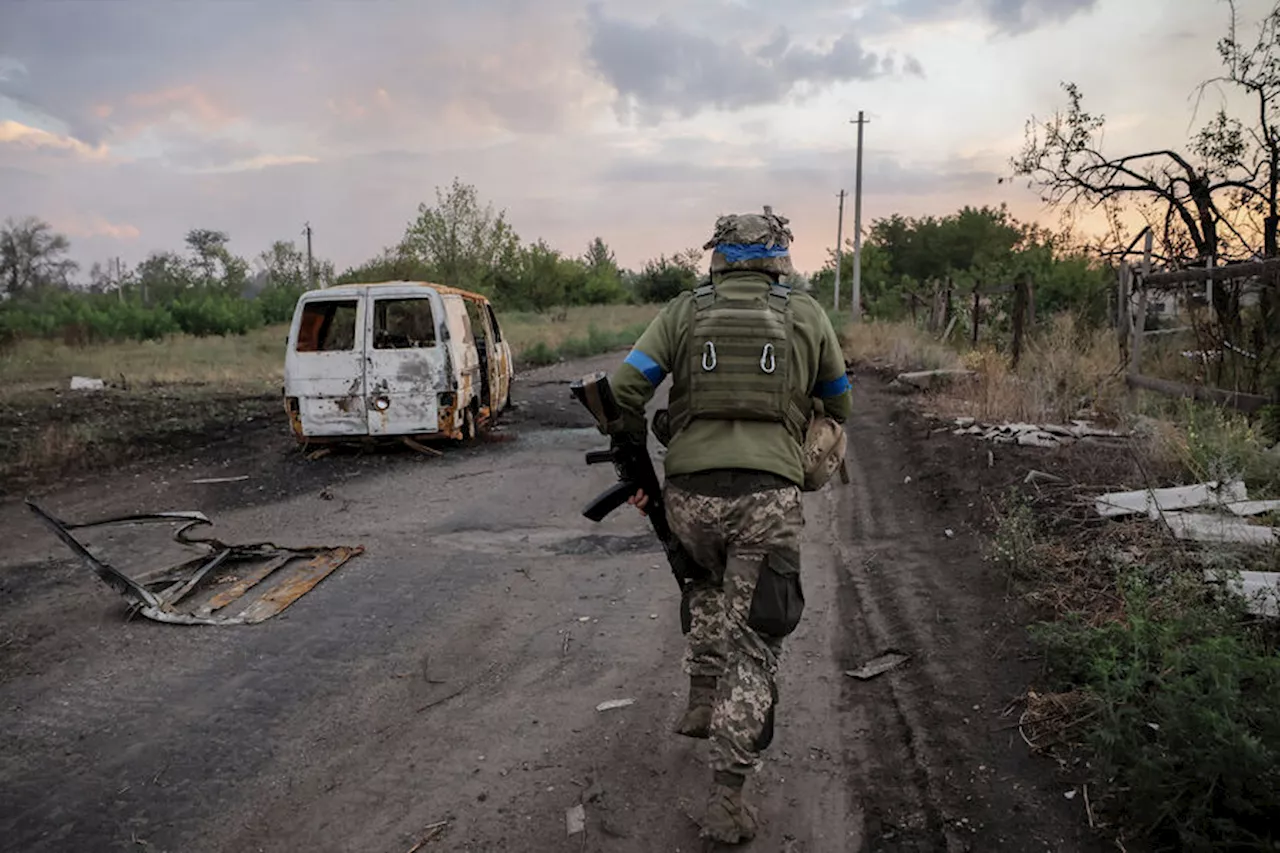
(575, 820)
(85, 383)
(208, 481)
(615, 703)
(211, 589)
(878, 666)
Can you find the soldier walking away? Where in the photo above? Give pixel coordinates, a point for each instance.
(752, 363)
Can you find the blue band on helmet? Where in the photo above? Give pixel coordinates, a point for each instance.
(832, 387)
(735, 252)
(646, 365)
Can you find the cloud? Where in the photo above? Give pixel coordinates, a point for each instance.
(659, 68)
(23, 136)
(96, 226)
(1009, 17)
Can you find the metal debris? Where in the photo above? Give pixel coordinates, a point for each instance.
(208, 481)
(188, 593)
(878, 666)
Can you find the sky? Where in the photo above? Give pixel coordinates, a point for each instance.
(126, 123)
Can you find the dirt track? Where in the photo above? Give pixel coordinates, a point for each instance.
(451, 673)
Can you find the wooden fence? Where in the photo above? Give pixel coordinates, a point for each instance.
(1131, 323)
(941, 309)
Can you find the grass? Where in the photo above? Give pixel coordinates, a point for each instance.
(897, 346)
(254, 363)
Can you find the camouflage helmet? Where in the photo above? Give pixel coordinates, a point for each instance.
(752, 241)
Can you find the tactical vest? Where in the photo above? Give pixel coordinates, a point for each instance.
(737, 362)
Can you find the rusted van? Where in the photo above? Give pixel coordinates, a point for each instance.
(394, 359)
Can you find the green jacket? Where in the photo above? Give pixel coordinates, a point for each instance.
(708, 445)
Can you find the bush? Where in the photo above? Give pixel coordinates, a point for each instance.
(1185, 728)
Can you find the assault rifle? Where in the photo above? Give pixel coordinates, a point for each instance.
(631, 462)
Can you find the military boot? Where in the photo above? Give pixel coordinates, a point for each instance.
(728, 819)
(696, 721)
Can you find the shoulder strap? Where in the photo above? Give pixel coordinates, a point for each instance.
(704, 295)
(779, 296)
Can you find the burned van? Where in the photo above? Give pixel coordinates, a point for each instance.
(394, 359)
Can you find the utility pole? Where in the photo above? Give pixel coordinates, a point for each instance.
(311, 272)
(839, 247)
(857, 227)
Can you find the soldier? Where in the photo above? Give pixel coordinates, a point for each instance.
(748, 358)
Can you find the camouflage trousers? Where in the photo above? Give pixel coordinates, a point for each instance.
(751, 544)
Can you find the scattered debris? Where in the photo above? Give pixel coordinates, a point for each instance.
(615, 703)
(949, 533)
(878, 666)
(319, 453)
(188, 593)
(1034, 477)
(208, 481)
(1153, 502)
(85, 383)
(1261, 590)
(429, 832)
(420, 447)
(1203, 527)
(1035, 435)
(924, 380)
(575, 820)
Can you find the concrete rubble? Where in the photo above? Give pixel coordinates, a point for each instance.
(1225, 525)
(1035, 435)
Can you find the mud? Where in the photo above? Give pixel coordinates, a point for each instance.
(451, 673)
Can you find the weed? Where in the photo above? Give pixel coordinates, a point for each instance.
(1013, 544)
(1184, 729)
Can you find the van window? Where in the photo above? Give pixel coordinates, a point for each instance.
(493, 318)
(328, 325)
(403, 324)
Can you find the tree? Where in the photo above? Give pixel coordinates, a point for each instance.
(32, 256)
(1212, 198)
(663, 278)
(603, 279)
(463, 241)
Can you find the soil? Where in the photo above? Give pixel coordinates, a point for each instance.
(442, 687)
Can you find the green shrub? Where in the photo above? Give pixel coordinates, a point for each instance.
(1186, 731)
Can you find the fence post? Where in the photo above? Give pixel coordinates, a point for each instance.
(1020, 289)
(1140, 321)
(977, 312)
(1122, 313)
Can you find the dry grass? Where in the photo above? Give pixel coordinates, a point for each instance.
(900, 346)
(253, 363)
(1067, 372)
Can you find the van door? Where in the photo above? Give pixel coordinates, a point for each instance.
(405, 363)
(499, 362)
(462, 348)
(324, 365)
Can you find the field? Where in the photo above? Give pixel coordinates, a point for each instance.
(174, 392)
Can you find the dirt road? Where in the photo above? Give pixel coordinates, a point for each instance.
(449, 677)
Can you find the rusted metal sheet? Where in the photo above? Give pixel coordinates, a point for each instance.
(196, 592)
